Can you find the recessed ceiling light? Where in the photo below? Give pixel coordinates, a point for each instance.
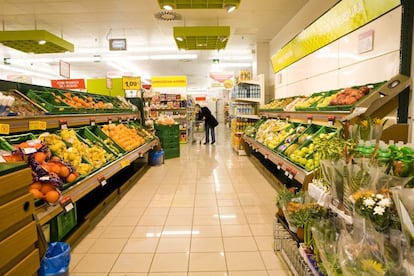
(230, 8)
(42, 42)
(168, 7)
(180, 38)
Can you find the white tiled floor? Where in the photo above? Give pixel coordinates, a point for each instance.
(207, 213)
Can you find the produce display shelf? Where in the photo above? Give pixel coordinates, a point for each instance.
(292, 170)
(18, 124)
(316, 117)
(248, 116)
(47, 212)
(255, 100)
(367, 106)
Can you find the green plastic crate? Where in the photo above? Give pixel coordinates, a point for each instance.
(165, 131)
(168, 142)
(171, 153)
(47, 101)
(90, 139)
(62, 224)
(97, 131)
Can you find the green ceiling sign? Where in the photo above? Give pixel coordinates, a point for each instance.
(343, 18)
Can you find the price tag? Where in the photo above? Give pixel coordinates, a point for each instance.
(290, 176)
(331, 120)
(92, 122)
(125, 163)
(4, 129)
(37, 125)
(29, 150)
(44, 178)
(286, 173)
(120, 120)
(287, 119)
(67, 204)
(102, 180)
(310, 120)
(109, 120)
(128, 119)
(279, 167)
(266, 156)
(63, 124)
(131, 83)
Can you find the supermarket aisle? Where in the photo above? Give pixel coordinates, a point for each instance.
(209, 212)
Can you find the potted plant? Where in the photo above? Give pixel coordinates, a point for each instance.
(282, 199)
(299, 219)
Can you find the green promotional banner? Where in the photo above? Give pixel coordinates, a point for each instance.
(343, 18)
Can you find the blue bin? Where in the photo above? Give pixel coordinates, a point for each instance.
(156, 158)
(56, 261)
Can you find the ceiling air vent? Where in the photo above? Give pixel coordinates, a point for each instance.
(165, 15)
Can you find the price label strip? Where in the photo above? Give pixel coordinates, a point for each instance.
(37, 125)
(67, 204)
(5, 129)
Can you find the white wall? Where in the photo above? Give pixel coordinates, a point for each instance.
(340, 65)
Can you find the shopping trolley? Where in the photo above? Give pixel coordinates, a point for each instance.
(197, 131)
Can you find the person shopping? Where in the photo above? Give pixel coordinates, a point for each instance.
(209, 122)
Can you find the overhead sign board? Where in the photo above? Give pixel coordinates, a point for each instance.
(343, 18)
(131, 83)
(169, 81)
(68, 84)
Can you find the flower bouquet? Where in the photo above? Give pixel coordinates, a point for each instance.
(404, 202)
(367, 252)
(377, 207)
(325, 241)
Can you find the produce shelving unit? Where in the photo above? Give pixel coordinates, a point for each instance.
(248, 93)
(46, 212)
(15, 124)
(292, 171)
(377, 104)
(132, 163)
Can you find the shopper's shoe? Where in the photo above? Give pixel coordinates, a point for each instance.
(206, 142)
(213, 142)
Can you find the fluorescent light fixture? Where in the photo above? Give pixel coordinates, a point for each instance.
(179, 38)
(39, 74)
(172, 57)
(234, 64)
(230, 8)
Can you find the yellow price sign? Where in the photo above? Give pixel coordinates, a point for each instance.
(125, 163)
(37, 125)
(4, 129)
(131, 83)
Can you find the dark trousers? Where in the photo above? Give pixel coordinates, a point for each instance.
(209, 130)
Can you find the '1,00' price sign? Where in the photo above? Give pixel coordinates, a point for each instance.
(131, 83)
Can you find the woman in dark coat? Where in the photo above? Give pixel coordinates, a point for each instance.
(209, 122)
